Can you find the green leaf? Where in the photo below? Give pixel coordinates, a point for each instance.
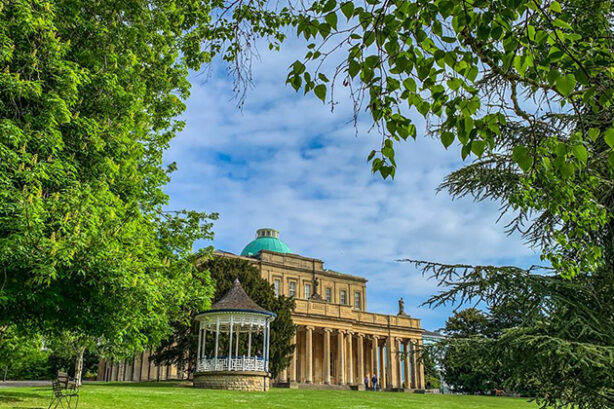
(299, 67)
(347, 9)
(556, 7)
(468, 124)
(521, 156)
(410, 84)
(447, 138)
(320, 91)
(477, 147)
(593, 133)
(353, 68)
(567, 170)
(454, 83)
(371, 61)
(565, 85)
(608, 136)
(330, 5)
(580, 152)
(331, 19)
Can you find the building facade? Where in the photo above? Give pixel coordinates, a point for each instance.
(338, 342)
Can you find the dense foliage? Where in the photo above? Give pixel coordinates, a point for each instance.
(469, 365)
(88, 93)
(180, 348)
(545, 335)
(26, 355)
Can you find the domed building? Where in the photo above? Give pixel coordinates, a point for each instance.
(338, 342)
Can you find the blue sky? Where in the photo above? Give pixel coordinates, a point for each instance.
(285, 161)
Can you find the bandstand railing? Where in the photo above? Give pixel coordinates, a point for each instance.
(234, 363)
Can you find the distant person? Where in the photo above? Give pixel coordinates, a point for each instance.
(374, 382)
(428, 384)
(366, 380)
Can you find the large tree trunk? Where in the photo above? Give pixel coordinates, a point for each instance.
(79, 365)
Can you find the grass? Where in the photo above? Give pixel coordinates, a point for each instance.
(181, 396)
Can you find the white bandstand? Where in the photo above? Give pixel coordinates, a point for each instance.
(233, 344)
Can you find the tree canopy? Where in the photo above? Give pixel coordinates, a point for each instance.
(89, 92)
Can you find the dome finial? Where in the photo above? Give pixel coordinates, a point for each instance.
(267, 232)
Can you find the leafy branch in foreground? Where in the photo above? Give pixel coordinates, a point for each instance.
(476, 70)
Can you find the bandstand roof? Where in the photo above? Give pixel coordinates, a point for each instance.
(236, 299)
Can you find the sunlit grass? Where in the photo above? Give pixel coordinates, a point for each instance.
(180, 396)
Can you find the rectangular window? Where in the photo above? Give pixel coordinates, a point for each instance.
(277, 286)
(292, 289)
(307, 291)
(357, 300)
(329, 295)
(342, 297)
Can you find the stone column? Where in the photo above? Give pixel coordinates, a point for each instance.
(309, 354)
(390, 358)
(406, 358)
(172, 372)
(374, 341)
(360, 338)
(101, 370)
(293, 360)
(350, 359)
(114, 372)
(327, 356)
(382, 367)
(129, 369)
(399, 363)
(153, 371)
(420, 368)
(121, 371)
(340, 358)
(145, 366)
(136, 367)
(283, 377)
(412, 355)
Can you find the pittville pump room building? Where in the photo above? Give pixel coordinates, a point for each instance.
(338, 342)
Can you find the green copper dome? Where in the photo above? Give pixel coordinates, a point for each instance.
(266, 239)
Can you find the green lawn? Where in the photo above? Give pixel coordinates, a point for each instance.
(175, 396)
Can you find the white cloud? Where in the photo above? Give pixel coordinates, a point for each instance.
(285, 161)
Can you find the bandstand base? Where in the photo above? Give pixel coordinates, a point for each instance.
(233, 381)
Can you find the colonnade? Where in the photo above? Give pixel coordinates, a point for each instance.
(141, 368)
(345, 357)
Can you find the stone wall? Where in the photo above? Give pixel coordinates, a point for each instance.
(234, 381)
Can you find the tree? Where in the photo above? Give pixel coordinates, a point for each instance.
(470, 361)
(89, 95)
(466, 323)
(547, 335)
(222, 270)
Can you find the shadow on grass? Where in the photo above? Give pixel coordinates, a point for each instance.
(153, 384)
(19, 396)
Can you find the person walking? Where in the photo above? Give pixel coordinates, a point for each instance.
(366, 380)
(374, 382)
